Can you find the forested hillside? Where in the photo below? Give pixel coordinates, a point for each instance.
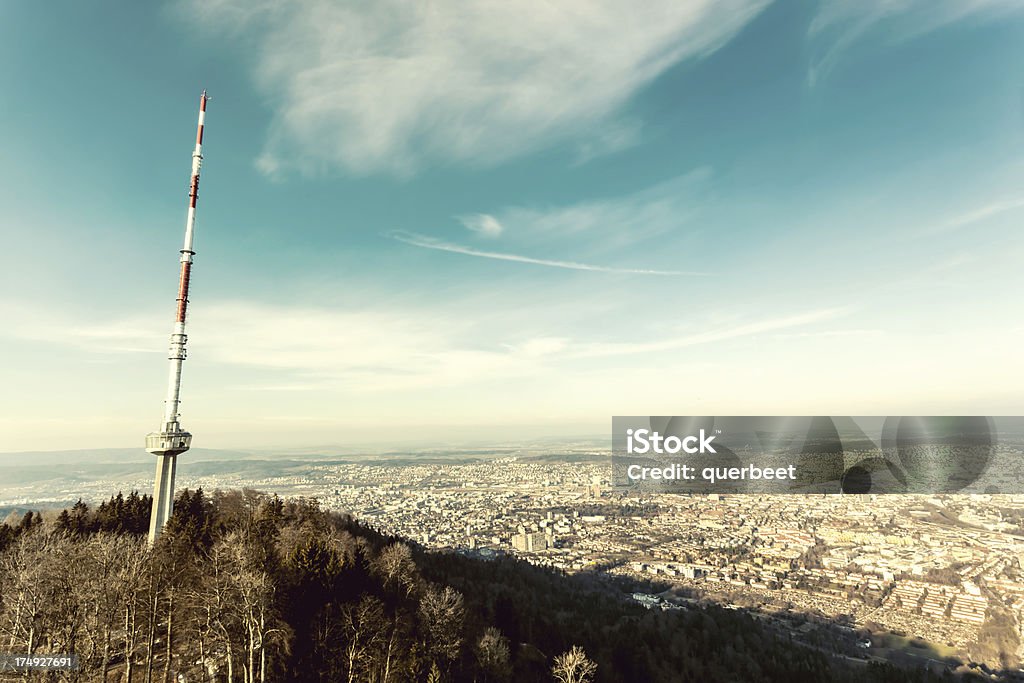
(245, 587)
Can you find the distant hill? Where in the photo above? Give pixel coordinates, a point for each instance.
(109, 455)
(85, 465)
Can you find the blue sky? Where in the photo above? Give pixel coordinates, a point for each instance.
(438, 222)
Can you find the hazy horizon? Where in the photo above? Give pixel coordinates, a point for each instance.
(467, 438)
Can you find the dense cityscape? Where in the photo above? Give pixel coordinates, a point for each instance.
(932, 567)
(944, 572)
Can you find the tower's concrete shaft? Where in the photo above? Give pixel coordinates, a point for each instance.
(163, 494)
(172, 440)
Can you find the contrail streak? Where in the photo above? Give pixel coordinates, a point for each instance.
(425, 242)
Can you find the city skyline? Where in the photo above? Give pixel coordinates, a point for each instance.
(449, 223)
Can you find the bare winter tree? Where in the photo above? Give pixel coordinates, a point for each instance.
(216, 618)
(102, 575)
(255, 590)
(133, 579)
(574, 666)
(363, 625)
(23, 585)
(442, 613)
(397, 568)
(492, 654)
(393, 654)
(232, 613)
(43, 604)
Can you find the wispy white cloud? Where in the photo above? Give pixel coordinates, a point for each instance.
(979, 214)
(482, 224)
(614, 223)
(390, 85)
(541, 346)
(840, 24)
(309, 348)
(257, 367)
(125, 335)
(830, 334)
(652, 224)
(711, 335)
(608, 139)
(615, 228)
(426, 242)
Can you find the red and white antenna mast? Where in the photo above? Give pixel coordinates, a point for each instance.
(172, 440)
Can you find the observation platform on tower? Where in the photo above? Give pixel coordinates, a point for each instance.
(168, 442)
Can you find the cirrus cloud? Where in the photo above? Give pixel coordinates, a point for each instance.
(391, 85)
(482, 224)
(838, 25)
